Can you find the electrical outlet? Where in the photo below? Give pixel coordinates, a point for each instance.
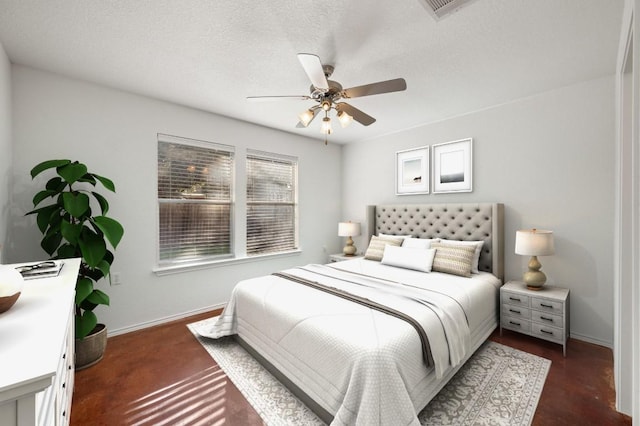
(115, 278)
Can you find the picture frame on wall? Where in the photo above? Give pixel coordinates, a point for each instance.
(453, 166)
(412, 171)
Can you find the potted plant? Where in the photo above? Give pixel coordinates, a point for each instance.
(70, 229)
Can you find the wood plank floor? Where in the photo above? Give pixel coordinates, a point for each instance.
(162, 375)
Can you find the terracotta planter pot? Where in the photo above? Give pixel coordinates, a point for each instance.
(90, 350)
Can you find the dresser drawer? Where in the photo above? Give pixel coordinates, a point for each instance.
(548, 319)
(549, 333)
(516, 324)
(515, 299)
(546, 305)
(516, 311)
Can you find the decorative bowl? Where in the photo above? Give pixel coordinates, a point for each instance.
(10, 287)
(7, 302)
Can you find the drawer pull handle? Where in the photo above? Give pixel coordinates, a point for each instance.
(546, 306)
(517, 299)
(514, 323)
(515, 311)
(546, 319)
(64, 356)
(64, 385)
(547, 332)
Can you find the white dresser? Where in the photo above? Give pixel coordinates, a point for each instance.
(540, 313)
(37, 352)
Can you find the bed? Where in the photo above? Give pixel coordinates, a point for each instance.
(363, 342)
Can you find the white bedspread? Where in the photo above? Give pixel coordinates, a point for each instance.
(361, 365)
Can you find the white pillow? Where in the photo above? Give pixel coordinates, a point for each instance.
(381, 235)
(409, 258)
(423, 243)
(476, 255)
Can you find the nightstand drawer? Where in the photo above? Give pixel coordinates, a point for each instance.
(548, 319)
(517, 324)
(515, 299)
(516, 311)
(546, 305)
(548, 333)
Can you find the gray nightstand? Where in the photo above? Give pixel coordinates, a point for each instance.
(339, 257)
(539, 313)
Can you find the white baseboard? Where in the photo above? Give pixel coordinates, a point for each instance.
(589, 339)
(163, 320)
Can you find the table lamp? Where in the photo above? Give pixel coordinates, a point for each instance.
(534, 243)
(349, 229)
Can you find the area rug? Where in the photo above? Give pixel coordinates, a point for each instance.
(499, 385)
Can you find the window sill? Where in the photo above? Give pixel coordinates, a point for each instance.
(176, 269)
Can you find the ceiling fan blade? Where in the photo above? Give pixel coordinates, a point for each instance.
(357, 115)
(380, 87)
(313, 67)
(277, 98)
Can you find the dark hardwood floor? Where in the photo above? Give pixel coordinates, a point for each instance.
(163, 376)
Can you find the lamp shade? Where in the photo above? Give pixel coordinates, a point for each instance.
(306, 117)
(344, 118)
(348, 229)
(534, 242)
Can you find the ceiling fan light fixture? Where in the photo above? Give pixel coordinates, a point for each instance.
(326, 94)
(326, 126)
(306, 117)
(344, 118)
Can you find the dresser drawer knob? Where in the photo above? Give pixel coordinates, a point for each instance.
(515, 323)
(515, 311)
(546, 306)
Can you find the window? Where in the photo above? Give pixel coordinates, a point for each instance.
(195, 197)
(272, 203)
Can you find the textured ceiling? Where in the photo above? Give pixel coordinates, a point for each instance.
(211, 55)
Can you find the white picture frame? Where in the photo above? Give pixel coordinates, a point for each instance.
(412, 171)
(453, 166)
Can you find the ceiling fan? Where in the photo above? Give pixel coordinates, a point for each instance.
(327, 93)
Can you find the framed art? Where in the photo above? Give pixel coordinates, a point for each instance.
(452, 166)
(412, 171)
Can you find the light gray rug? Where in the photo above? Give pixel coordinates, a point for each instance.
(499, 385)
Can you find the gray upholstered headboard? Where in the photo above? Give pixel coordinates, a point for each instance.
(466, 222)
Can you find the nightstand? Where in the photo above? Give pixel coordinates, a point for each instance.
(539, 313)
(339, 257)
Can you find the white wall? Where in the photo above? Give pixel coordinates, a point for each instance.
(550, 160)
(114, 133)
(6, 168)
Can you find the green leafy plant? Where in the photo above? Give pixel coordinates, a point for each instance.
(70, 230)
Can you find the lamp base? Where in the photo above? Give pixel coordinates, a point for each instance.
(534, 278)
(349, 249)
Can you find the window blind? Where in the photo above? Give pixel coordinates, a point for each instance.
(195, 199)
(272, 203)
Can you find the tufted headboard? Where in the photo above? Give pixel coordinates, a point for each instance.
(466, 222)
